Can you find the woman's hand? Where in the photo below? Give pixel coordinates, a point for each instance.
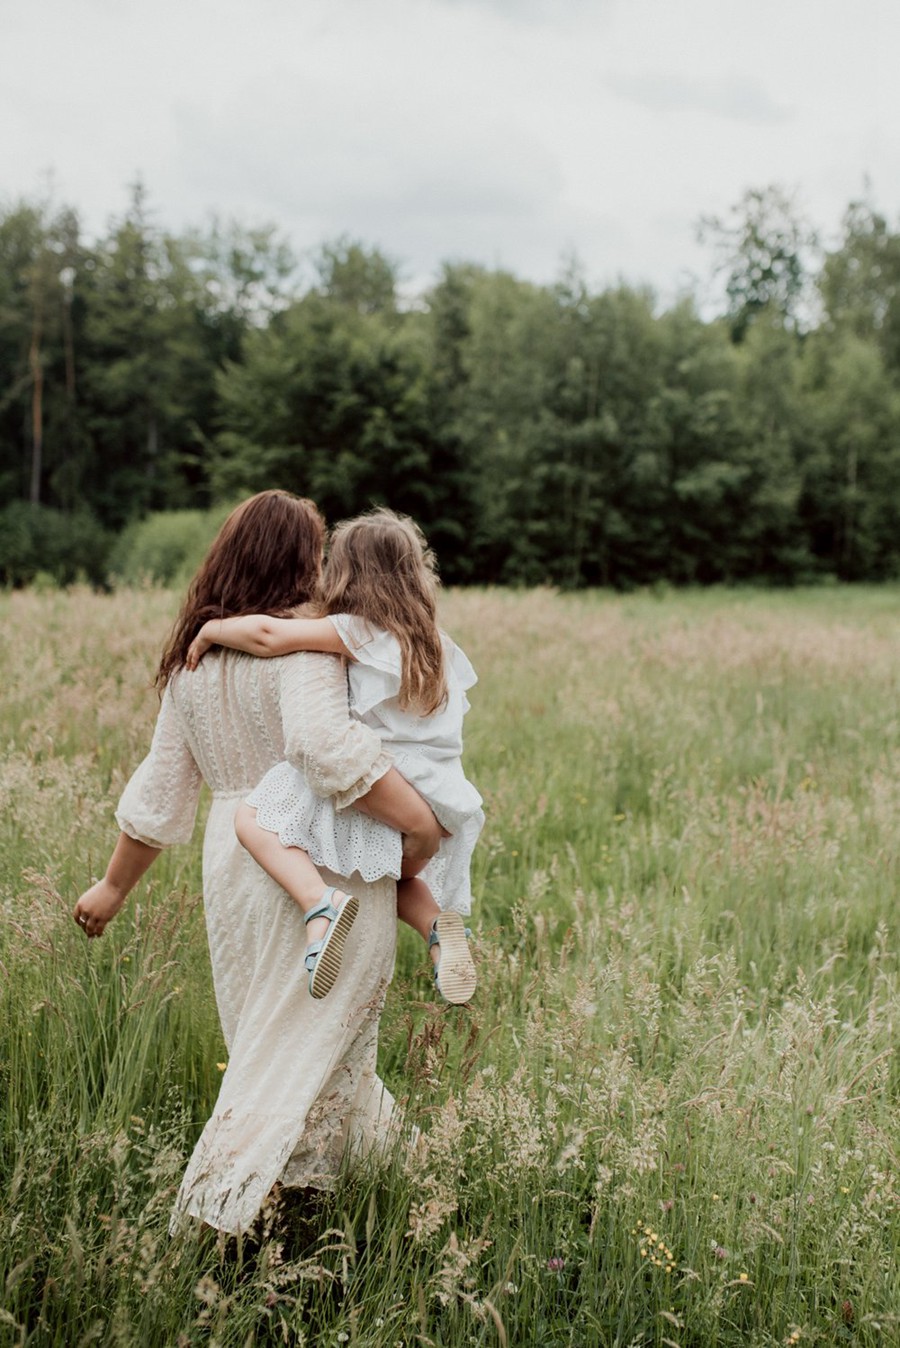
(420, 845)
(98, 906)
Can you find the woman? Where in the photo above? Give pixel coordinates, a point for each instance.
(300, 1088)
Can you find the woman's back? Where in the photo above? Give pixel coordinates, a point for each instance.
(230, 714)
(239, 716)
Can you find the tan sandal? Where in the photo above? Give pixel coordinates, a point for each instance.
(454, 974)
(322, 958)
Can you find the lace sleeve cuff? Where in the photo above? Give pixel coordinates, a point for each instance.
(132, 832)
(343, 799)
(159, 803)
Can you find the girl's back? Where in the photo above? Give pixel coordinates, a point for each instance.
(375, 678)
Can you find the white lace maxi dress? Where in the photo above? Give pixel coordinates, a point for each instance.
(425, 749)
(300, 1089)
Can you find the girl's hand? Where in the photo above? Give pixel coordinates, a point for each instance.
(98, 906)
(197, 649)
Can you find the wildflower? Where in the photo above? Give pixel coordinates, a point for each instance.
(221, 1066)
(556, 1264)
(743, 1277)
(343, 1337)
(511, 1288)
(714, 1197)
(207, 1291)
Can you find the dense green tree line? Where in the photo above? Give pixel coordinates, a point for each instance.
(539, 433)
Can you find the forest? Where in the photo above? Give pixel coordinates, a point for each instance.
(552, 434)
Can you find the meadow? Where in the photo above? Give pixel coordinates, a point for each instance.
(669, 1116)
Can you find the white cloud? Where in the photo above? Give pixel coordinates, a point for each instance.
(504, 131)
(528, 10)
(735, 96)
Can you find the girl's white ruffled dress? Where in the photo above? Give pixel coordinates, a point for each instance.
(426, 750)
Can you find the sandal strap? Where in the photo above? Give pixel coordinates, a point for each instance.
(324, 908)
(311, 955)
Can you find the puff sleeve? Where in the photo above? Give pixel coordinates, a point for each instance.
(339, 756)
(159, 804)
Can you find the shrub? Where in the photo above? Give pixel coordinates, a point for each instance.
(166, 547)
(35, 540)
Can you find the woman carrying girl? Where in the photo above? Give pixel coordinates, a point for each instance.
(408, 682)
(300, 1095)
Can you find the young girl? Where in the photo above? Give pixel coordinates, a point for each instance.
(408, 681)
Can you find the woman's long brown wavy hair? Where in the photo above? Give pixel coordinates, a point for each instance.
(266, 558)
(381, 569)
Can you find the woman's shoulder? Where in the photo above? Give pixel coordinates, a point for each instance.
(222, 670)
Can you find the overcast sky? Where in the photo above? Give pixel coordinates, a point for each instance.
(509, 132)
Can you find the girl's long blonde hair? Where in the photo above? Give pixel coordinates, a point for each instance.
(380, 568)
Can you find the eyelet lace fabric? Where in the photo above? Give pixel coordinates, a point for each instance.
(300, 1087)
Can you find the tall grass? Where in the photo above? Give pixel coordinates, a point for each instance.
(670, 1116)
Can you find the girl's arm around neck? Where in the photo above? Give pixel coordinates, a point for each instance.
(258, 634)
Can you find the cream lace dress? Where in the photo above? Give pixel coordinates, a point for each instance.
(300, 1090)
(425, 749)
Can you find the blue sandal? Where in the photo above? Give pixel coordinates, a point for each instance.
(454, 973)
(322, 958)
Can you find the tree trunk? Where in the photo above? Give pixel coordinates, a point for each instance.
(152, 444)
(850, 508)
(37, 411)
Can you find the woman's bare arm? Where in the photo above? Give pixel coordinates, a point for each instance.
(392, 800)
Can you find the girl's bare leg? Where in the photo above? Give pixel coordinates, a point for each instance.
(455, 977)
(417, 908)
(289, 867)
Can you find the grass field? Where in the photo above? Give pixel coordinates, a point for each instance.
(670, 1116)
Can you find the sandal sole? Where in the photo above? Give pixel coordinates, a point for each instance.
(328, 964)
(456, 976)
